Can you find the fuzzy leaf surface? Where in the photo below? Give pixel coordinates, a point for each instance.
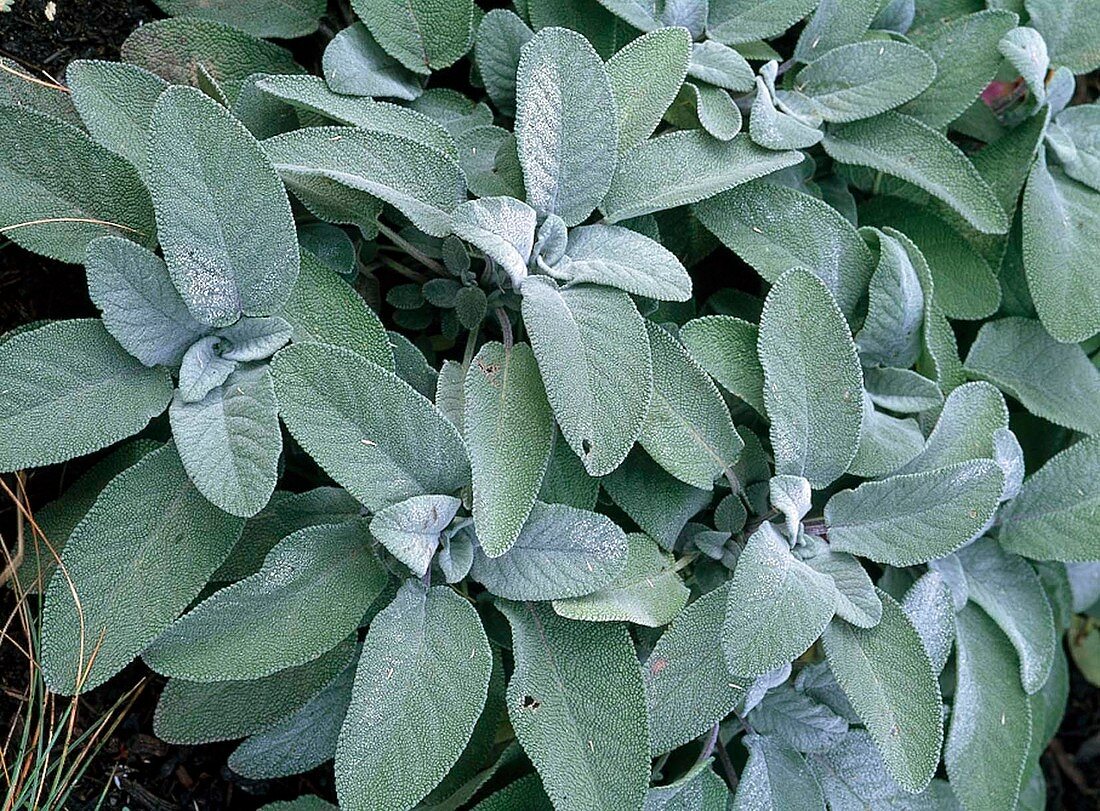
(115, 101)
(302, 740)
(426, 650)
(228, 237)
(775, 776)
(864, 79)
(813, 385)
(725, 347)
(742, 21)
(1070, 29)
(1009, 591)
(423, 35)
(915, 517)
(688, 687)
(594, 356)
(498, 42)
(907, 148)
(191, 712)
(141, 554)
(285, 514)
(424, 184)
(685, 167)
(70, 389)
(778, 606)
(1052, 380)
(1052, 517)
(502, 227)
(619, 257)
(888, 679)
(66, 188)
(311, 592)
(230, 441)
(284, 19)
(688, 430)
(967, 58)
(645, 77)
(141, 308)
(566, 125)
(970, 417)
(987, 744)
(325, 309)
(176, 48)
(369, 430)
(411, 529)
(646, 592)
(355, 64)
(775, 228)
(312, 94)
(561, 552)
(576, 704)
(1060, 228)
(509, 430)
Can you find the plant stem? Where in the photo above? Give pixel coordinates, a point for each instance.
(505, 329)
(408, 273)
(471, 345)
(410, 249)
(727, 767)
(708, 747)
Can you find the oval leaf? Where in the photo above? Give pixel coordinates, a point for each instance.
(311, 592)
(915, 517)
(425, 651)
(565, 124)
(368, 429)
(235, 252)
(778, 606)
(510, 431)
(905, 147)
(151, 540)
(576, 704)
(813, 385)
(888, 678)
(69, 389)
(594, 357)
(561, 552)
(688, 430)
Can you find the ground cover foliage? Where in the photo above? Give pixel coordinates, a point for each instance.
(557, 532)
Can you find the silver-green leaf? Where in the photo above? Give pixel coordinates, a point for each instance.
(576, 703)
(915, 517)
(70, 389)
(311, 592)
(510, 430)
(888, 678)
(368, 429)
(813, 385)
(425, 651)
(778, 606)
(566, 124)
(150, 540)
(594, 356)
(561, 552)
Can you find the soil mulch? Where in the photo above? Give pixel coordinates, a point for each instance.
(143, 772)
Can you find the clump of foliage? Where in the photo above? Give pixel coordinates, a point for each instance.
(560, 531)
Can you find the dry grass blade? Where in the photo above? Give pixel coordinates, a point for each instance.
(45, 753)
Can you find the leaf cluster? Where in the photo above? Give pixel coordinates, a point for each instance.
(419, 451)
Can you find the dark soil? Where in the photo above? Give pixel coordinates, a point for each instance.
(31, 287)
(140, 771)
(1072, 761)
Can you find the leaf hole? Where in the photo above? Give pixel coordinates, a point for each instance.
(530, 703)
